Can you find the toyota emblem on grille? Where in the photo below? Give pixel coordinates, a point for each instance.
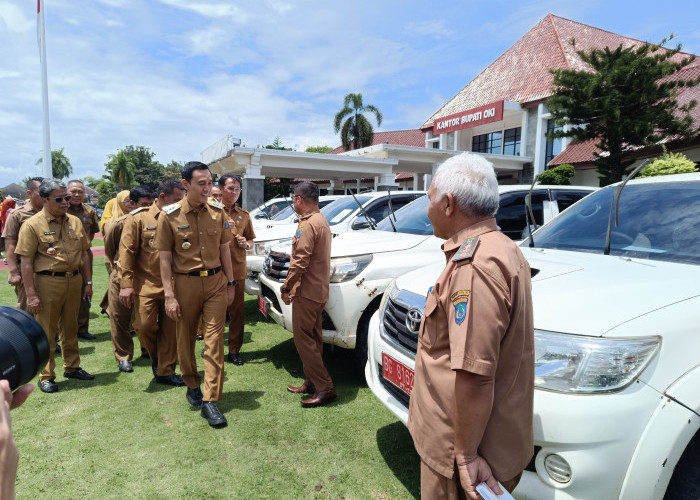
(413, 317)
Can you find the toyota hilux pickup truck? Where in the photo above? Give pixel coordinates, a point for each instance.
(617, 350)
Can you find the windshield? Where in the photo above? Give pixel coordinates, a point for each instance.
(342, 208)
(411, 219)
(659, 221)
(287, 212)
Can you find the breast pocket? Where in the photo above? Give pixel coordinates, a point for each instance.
(46, 242)
(429, 324)
(148, 238)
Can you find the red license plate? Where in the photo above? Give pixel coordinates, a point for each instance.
(262, 305)
(398, 374)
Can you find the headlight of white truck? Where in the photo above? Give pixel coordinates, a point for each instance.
(346, 268)
(582, 365)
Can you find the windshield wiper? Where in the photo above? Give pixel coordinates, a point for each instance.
(391, 211)
(529, 214)
(369, 221)
(616, 201)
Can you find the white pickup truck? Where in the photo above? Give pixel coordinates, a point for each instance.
(617, 357)
(343, 213)
(363, 263)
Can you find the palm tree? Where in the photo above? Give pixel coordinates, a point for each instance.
(121, 169)
(356, 131)
(60, 164)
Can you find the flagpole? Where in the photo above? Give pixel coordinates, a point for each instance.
(47, 170)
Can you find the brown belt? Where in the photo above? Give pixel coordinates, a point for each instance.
(62, 274)
(203, 272)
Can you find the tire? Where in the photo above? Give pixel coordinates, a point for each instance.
(685, 481)
(361, 339)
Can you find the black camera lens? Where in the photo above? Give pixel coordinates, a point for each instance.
(24, 347)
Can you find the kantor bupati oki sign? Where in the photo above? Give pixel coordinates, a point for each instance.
(471, 118)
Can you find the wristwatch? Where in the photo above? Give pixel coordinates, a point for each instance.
(88, 282)
(232, 283)
(283, 289)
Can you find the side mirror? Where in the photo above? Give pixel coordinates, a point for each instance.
(360, 222)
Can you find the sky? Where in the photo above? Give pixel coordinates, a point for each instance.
(176, 76)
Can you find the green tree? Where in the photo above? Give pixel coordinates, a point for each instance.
(355, 129)
(318, 149)
(60, 164)
(147, 171)
(668, 164)
(121, 170)
(626, 98)
(559, 175)
(173, 170)
(91, 182)
(274, 187)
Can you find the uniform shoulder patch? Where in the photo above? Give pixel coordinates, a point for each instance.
(466, 251)
(216, 204)
(171, 208)
(136, 210)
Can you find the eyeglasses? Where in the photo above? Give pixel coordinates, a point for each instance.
(59, 199)
(233, 189)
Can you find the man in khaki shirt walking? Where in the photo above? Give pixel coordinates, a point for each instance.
(239, 224)
(53, 248)
(88, 217)
(194, 249)
(10, 233)
(471, 408)
(306, 288)
(142, 288)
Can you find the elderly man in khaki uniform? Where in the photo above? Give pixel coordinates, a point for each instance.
(88, 216)
(10, 233)
(239, 224)
(141, 286)
(194, 249)
(471, 408)
(53, 248)
(306, 288)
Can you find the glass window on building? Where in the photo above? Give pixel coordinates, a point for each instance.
(487, 143)
(553, 147)
(511, 141)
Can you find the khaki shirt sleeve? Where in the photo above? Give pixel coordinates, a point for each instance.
(128, 249)
(111, 240)
(84, 241)
(248, 232)
(476, 306)
(27, 242)
(10, 230)
(164, 234)
(94, 223)
(226, 235)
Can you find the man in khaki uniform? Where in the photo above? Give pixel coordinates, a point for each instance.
(141, 286)
(53, 248)
(306, 288)
(239, 224)
(194, 247)
(10, 233)
(88, 216)
(471, 408)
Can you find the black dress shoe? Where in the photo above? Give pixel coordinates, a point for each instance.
(171, 379)
(79, 374)
(305, 388)
(126, 366)
(194, 396)
(86, 336)
(211, 412)
(320, 398)
(58, 348)
(234, 358)
(154, 368)
(48, 386)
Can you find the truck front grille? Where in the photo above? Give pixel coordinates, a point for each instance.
(276, 265)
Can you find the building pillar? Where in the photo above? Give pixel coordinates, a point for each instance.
(540, 141)
(386, 182)
(253, 192)
(336, 187)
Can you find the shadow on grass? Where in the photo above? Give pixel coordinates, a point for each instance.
(396, 446)
(67, 384)
(240, 400)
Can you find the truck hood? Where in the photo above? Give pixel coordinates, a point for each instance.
(369, 241)
(591, 294)
(277, 232)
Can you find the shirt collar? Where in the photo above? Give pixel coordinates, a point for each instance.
(307, 215)
(477, 229)
(50, 217)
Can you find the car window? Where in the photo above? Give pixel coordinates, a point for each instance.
(659, 221)
(566, 198)
(411, 219)
(511, 216)
(340, 209)
(380, 209)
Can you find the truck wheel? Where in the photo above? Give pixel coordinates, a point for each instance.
(685, 482)
(361, 340)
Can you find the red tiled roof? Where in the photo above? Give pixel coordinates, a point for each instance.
(576, 153)
(413, 137)
(522, 74)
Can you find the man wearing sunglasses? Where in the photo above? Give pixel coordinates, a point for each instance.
(53, 247)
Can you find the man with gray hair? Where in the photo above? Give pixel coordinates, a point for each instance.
(471, 408)
(53, 247)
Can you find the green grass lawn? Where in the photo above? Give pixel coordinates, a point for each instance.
(124, 436)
